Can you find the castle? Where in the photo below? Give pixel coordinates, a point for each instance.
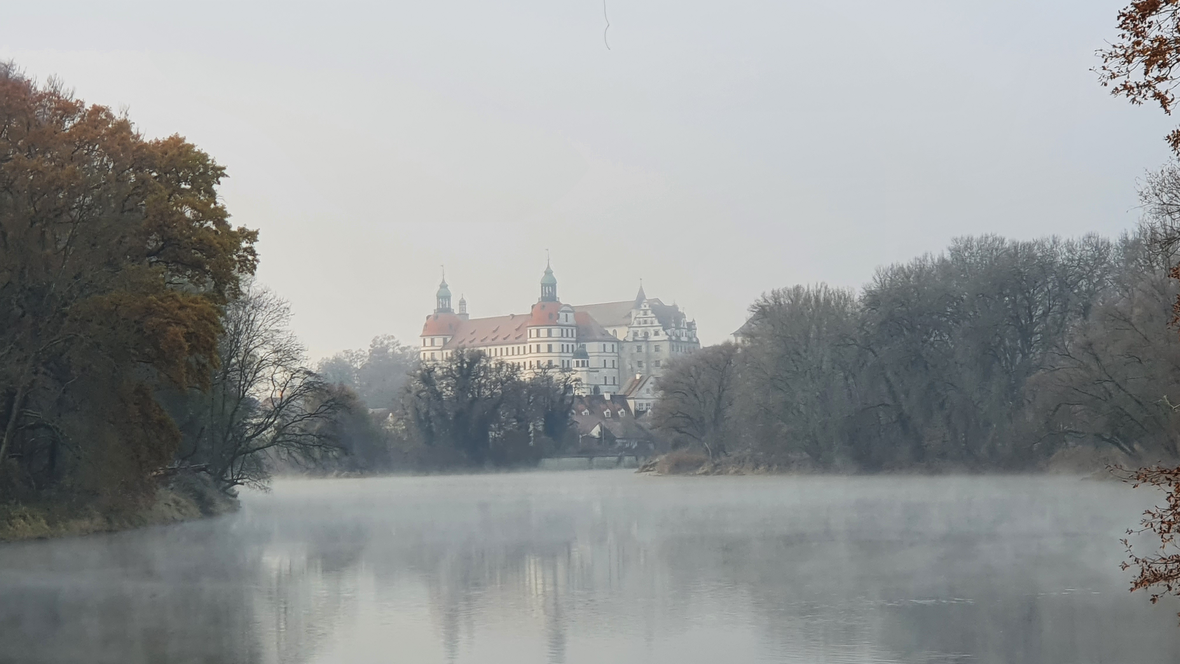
(611, 348)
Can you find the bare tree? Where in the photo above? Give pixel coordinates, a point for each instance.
(487, 411)
(265, 405)
(377, 374)
(800, 385)
(697, 397)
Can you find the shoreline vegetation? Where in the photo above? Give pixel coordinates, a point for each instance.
(181, 497)
(138, 343)
(189, 496)
(1083, 462)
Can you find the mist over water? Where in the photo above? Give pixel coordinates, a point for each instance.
(604, 566)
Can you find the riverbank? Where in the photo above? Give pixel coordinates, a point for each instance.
(1089, 462)
(184, 497)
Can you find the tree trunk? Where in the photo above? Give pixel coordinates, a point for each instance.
(18, 404)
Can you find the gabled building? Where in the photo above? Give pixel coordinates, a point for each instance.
(641, 393)
(598, 343)
(607, 424)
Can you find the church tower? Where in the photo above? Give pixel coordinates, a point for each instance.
(548, 285)
(443, 298)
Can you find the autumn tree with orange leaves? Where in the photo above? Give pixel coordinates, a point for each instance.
(116, 259)
(1143, 65)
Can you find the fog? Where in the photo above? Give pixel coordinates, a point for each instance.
(871, 256)
(604, 566)
(789, 142)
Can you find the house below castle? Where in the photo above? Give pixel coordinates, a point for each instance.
(604, 345)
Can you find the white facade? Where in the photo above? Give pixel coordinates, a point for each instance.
(600, 344)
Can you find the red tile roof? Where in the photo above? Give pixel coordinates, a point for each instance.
(545, 313)
(493, 331)
(441, 325)
(513, 328)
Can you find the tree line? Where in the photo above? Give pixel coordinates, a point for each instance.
(995, 354)
(467, 411)
(133, 344)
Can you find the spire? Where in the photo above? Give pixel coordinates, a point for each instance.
(548, 284)
(443, 296)
(640, 297)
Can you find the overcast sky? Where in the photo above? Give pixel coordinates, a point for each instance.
(717, 149)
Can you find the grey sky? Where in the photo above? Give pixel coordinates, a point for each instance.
(718, 150)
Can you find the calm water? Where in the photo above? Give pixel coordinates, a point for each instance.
(604, 566)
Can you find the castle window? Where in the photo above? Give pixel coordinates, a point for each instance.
(639, 364)
(550, 362)
(656, 363)
(657, 348)
(550, 351)
(548, 332)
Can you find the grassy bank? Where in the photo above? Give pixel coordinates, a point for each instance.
(182, 498)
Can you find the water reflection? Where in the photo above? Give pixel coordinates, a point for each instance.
(603, 566)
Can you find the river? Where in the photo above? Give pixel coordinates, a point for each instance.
(604, 566)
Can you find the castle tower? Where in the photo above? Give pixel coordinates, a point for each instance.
(443, 297)
(548, 285)
(463, 307)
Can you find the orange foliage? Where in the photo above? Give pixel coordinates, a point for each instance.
(116, 258)
(1158, 573)
(1142, 63)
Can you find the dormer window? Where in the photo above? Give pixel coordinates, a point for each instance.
(622, 413)
(607, 414)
